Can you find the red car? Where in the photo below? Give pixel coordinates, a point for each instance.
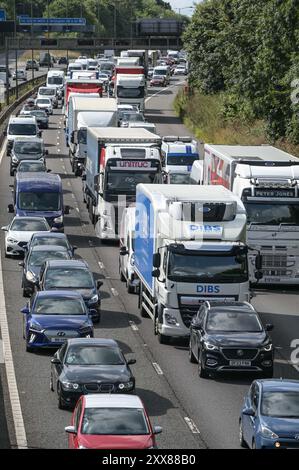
(158, 80)
(107, 421)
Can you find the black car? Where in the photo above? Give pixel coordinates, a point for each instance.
(229, 336)
(94, 365)
(51, 238)
(42, 118)
(62, 61)
(34, 259)
(75, 275)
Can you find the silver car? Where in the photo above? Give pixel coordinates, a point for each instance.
(20, 231)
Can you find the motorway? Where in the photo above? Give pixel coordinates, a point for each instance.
(169, 385)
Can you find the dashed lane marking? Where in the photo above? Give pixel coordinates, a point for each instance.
(21, 439)
(133, 326)
(101, 265)
(114, 291)
(191, 425)
(157, 368)
(1, 352)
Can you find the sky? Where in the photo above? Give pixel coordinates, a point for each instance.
(181, 4)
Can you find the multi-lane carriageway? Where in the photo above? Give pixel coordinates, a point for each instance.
(193, 412)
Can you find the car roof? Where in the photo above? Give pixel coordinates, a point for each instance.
(230, 305)
(109, 400)
(59, 293)
(28, 139)
(72, 263)
(50, 234)
(48, 248)
(279, 385)
(39, 181)
(20, 217)
(21, 120)
(111, 343)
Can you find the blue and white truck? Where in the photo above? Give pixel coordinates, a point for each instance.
(178, 155)
(190, 246)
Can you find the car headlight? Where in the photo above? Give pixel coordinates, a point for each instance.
(70, 385)
(132, 260)
(15, 159)
(94, 299)
(266, 432)
(82, 447)
(12, 240)
(268, 347)
(210, 346)
(36, 327)
(30, 276)
(126, 385)
(170, 319)
(58, 220)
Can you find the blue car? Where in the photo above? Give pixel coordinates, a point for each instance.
(270, 415)
(52, 317)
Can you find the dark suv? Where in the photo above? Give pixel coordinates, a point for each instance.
(72, 275)
(229, 336)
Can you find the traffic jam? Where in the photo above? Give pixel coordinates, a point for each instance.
(198, 229)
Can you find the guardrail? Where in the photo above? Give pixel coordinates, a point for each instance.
(5, 111)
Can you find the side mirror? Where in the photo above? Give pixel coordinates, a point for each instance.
(248, 412)
(195, 325)
(48, 170)
(46, 152)
(10, 208)
(156, 272)
(92, 312)
(21, 263)
(269, 327)
(83, 177)
(131, 361)
(99, 284)
(258, 262)
(55, 360)
(123, 251)
(70, 430)
(156, 260)
(258, 275)
(25, 310)
(72, 138)
(39, 133)
(5, 228)
(74, 247)
(157, 429)
(66, 210)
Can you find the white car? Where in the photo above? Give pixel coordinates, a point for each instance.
(180, 70)
(20, 74)
(19, 232)
(44, 103)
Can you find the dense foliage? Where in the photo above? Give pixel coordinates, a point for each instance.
(247, 50)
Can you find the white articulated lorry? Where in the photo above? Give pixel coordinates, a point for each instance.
(117, 160)
(130, 89)
(266, 179)
(82, 113)
(190, 246)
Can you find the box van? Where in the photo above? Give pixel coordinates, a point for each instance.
(39, 195)
(126, 251)
(19, 127)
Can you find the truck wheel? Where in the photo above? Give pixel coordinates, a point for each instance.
(122, 277)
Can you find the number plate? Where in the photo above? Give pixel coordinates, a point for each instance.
(271, 279)
(58, 340)
(240, 363)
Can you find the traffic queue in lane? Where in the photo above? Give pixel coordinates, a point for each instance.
(197, 292)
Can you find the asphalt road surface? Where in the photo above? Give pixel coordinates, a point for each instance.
(169, 385)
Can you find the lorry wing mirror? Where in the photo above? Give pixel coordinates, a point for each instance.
(123, 251)
(258, 261)
(10, 208)
(258, 275)
(72, 138)
(156, 260)
(156, 273)
(66, 210)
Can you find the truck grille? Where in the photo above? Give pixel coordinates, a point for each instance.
(235, 353)
(189, 306)
(274, 261)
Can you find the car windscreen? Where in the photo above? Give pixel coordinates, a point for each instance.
(68, 278)
(233, 321)
(114, 421)
(22, 129)
(132, 117)
(284, 404)
(39, 201)
(126, 181)
(28, 225)
(93, 355)
(37, 258)
(28, 147)
(40, 113)
(44, 240)
(29, 167)
(59, 306)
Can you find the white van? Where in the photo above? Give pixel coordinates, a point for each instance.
(55, 79)
(126, 250)
(21, 127)
(163, 70)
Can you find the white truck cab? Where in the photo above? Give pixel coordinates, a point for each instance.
(130, 89)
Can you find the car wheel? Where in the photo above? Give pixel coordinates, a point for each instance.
(191, 356)
(122, 277)
(253, 445)
(61, 405)
(11, 172)
(7, 255)
(28, 348)
(161, 338)
(51, 383)
(201, 371)
(241, 437)
(25, 293)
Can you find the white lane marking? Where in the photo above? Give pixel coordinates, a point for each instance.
(63, 167)
(73, 196)
(58, 150)
(133, 326)
(8, 360)
(1, 352)
(61, 159)
(161, 91)
(77, 209)
(191, 425)
(101, 265)
(68, 183)
(114, 292)
(157, 368)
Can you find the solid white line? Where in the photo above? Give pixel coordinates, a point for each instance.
(73, 196)
(161, 91)
(8, 360)
(68, 183)
(114, 292)
(1, 352)
(133, 326)
(77, 209)
(191, 425)
(157, 368)
(101, 265)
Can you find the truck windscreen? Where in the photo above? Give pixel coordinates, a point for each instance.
(181, 159)
(272, 213)
(29, 201)
(126, 181)
(207, 268)
(123, 92)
